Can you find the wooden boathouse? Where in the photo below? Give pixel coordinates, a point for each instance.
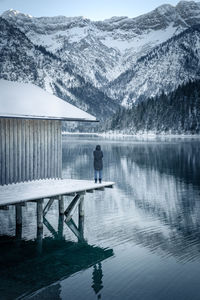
(31, 151)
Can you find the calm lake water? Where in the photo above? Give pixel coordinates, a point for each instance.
(141, 239)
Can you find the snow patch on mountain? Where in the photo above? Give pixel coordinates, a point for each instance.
(151, 38)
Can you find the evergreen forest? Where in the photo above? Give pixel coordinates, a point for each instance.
(176, 113)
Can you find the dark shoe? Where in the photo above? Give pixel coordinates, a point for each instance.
(95, 181)
(99, 180)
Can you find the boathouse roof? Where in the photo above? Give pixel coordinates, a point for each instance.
(27, 101)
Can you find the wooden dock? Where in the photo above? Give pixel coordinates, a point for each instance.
(19, 194)
(48, 188)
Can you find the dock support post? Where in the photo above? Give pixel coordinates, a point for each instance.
(61, 205)
(81, 207)
(18, 216)
(18, 232)
(18, 211)
(60, 227)
(40, 213)
(81, 218)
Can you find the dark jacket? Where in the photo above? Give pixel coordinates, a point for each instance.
(98, 155)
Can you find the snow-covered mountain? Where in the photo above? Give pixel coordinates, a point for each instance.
(110, 55)
(167, 66)
(21, 60)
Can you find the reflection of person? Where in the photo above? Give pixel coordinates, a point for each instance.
(98, 163)
(97, 279)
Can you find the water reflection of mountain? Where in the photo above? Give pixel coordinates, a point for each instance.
(178, 158)
(24, 268)
(159, 181)
(170, 206)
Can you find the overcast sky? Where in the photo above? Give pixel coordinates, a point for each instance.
(92, 9)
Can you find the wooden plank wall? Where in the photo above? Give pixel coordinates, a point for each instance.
(29, 150)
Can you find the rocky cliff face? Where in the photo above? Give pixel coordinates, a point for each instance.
(108, 56)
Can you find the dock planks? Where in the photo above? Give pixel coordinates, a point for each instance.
(40, 189)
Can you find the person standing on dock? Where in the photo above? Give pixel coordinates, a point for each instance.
(98, 163)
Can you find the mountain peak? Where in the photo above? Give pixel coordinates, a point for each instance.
(188, 4)
(184, 2)
(189, 11)
(165, 7)
(115, 19)
(14, 13)
(165, 10)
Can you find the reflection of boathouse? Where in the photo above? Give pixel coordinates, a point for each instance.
(42, 273)
(31, 150)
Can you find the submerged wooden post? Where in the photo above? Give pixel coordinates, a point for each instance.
(61, 205)
(39, 240)
(18, 232)
(40, 213)
(18, 214)
(60, 226)
(18, 217)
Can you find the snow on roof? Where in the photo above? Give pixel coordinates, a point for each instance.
(22, 100)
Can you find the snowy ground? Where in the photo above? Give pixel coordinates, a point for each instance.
(113, 134)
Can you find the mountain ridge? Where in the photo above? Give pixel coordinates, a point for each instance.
(21, 60)
(100, 58)
(176, 52)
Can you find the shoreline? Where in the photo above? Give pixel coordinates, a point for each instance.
(139, 135)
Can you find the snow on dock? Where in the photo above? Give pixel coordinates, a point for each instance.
(40, 189)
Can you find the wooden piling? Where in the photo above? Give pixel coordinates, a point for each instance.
(18, 214)
(39, 240)
(18, 233)
(61, 205)
(81, 219)
(40, 213)
(60, 226)
(81, 207)
(18, 217)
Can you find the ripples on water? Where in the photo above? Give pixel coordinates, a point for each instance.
(143, 236)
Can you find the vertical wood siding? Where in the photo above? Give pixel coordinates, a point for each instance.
(29, 150)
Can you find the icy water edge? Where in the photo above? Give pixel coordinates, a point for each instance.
(142, 238)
